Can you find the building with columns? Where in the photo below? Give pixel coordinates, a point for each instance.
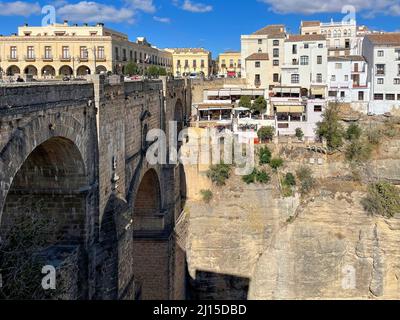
(72, 50)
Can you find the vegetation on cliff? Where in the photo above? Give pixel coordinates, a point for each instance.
(382, 199)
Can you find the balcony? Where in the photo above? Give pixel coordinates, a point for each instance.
(30, 58)
(257, 83)
(65, 58)
(101, 59)
(12, 58)
(47, 58)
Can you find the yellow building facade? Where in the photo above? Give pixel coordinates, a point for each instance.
(71, 50)
(229, 64)
(188, 61)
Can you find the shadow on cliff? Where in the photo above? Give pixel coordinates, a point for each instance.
(215, 286)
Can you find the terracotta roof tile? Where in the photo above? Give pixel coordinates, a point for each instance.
(390, 39)
(274, 30)
(306, 37)
(258, 56)
(310, 23)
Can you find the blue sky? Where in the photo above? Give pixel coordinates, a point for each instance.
(213, 24)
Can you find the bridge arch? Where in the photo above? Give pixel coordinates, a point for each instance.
(13, 70)
(31, 70)
(66, 71)
(44, 217)
(83, 71)
(48, 71)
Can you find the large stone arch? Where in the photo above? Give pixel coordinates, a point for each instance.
(44, 219)
(83, 71)
(66, 71)
(13, 70)
(101, 70)
(48, 71)
(31, 70)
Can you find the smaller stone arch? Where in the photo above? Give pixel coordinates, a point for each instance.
(48, 71)
(31, 70)
(101, 70)
(13, 70)
(66, 71)
(83, 71)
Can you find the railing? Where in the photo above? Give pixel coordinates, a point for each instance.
(65, 58)
(30, 58)
(47, 57)
(12, 58)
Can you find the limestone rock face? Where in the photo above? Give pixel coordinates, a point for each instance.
(331, 250)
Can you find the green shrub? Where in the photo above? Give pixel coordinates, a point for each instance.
(289, 179)
(265, 155)
(299, 133)
(266, 133)
(245, 102)
(207, 195)
(374, 136)
(390, 129)
(259, 176)
(307, 181)
(219, 174)
(382, 199)
(358, 151)
(259, 105)
(353, 132)
(330, 127)
(276, 163)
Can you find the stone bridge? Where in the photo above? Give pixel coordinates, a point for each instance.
(74, 174)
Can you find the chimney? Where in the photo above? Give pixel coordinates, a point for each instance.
(65, 22)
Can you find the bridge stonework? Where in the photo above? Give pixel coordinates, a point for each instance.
(74, 156)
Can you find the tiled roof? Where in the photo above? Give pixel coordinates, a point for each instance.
(189, 50)
(274, 31)
(310, 23)
(347, 58)
(258, 56)
(306, 37)
(390, 39)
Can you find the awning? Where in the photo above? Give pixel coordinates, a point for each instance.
(318, 91)
(213, 93)
(290, 109)
(223, 93)
(231, 73)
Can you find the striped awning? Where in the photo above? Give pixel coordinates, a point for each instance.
(290, 109)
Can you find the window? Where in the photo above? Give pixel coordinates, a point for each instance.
(276, 43)
(260, 41)
(347, 44)
(276, 53)
(276, 77)
(13, 52)
(124, 54)
(178, 63)
(30, 52)
(295, 78)
(332, 93)
(320, 45)
(65, 52)
(381, 53)
(257, 79)
(398, 71)
(186, 64)
(260, 50)
(83, 53)
(294, 49)
(202, 64)
(47, 52)
(361, 96)
(396, 81)
(380, 69)
(398, 96)
(258, 64)
(319, 59)
(380, 81)
(101, 53)
(194, 64)
(390, 96)
(346, 77)
(319, 77)
(317, 108)
(333, 78)
(342, 94)
(378, 96)
(276, 62)
(231, 63)
(338, 66)
(304, 60)
(306, 46)
(130, 55)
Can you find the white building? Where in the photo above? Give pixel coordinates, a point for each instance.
(382, 53)
(341, 36)
(348, 81)
(306, 58)
(268, 41)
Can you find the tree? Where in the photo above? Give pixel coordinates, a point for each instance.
(307, 181)
(162, 71)
(299, 133)
(330, 127)
(259, 105)
(382, 199)
(265, 155)
(131, 69)
(245, 102)
(353, 132)
(358, 150)
(153, 71)
(266, 133)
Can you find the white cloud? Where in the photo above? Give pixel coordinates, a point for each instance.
(87, 11)
(162, 20)
(196, 7)
(369, 7)
(143, 5)
(19, 8)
